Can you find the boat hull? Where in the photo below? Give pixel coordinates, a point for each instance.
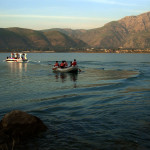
(73, 69)
(16, 60)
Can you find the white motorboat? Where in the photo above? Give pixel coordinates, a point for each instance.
(17, 57)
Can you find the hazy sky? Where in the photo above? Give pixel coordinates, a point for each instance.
(75, 14)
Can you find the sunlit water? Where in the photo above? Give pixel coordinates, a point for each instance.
(105, 106)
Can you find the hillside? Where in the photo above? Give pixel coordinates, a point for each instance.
(59, 39)
(128, 32)
(26, 39)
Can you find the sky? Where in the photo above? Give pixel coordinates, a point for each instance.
(74, 14)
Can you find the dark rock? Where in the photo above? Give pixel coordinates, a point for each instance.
(5, 141)
(18, 125)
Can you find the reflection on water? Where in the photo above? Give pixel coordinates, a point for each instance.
(17, 67)
(63, 77)
(92, 78)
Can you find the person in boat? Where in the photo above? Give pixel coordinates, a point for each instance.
(70, 64)
(56, 64)
(65, 64)
(62, 65)
(74, 63)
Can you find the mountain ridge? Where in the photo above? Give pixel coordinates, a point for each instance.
(117, 33)
(128, 32)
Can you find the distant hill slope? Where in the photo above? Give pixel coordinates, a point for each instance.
(8, 39)
(128, 32)
(26, 39)
(59, 39)
(31, 38)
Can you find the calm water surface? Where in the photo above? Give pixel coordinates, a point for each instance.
(105, 106)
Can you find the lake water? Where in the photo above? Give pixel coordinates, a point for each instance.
(105, 106)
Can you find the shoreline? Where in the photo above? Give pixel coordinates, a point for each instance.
(131, 52)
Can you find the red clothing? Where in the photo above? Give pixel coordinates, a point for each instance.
(62, 64)
(56, 65)
(74, 63)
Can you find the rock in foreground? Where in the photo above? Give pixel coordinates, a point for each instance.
(17, 126)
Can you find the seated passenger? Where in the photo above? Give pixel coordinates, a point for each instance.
(56, 64)
(70, 63)
(66, 64)
(74, 63)
(62, 65)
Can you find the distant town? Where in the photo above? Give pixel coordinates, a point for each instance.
(79, 50)
(91, 50)
(104, 50)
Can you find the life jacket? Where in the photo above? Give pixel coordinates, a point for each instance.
(56, 65)
(62, 64)
(74, 63)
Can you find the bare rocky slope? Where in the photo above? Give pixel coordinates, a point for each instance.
(128, 32)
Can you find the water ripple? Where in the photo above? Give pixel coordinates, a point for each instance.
(105, 106)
